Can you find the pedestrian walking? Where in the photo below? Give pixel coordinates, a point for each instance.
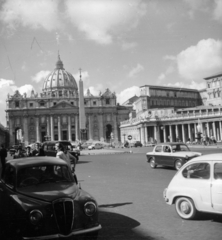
(71, 160)
(3, 156)
(61, 153)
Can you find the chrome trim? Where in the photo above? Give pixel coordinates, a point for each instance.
(35, 210)
(92, 203)
(56, 236)
(63, 200)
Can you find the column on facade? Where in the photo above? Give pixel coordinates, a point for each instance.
(155, 133)
(176, 129)
(101, 127)
(146, 136)
(214, 130)
(115, 128)
(69, 128)
(90, 127)
(76, 127)
(59, 128)
(164, 134)
(189, 132)
(48, 126)
(171, 135)
(208, 129)
(25, 130)
(220, 130)
(52, 128)
(183, 134)
(142, 134)
(37, 130)
(195, 131)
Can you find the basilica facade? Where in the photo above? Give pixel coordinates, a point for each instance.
(55, 113)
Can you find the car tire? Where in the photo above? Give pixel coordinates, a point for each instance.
(178, 164)
(185, 208)
(152, 163)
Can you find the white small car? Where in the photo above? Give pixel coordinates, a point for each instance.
(197, 187)
(95, 146)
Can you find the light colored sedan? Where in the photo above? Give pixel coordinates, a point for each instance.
(197, 187)
(95, 146)
(170, 154)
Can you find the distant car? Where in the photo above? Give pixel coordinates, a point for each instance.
(137, 144)
(197, 187)
(41, 199)
(49, 148)
(95, 146)
(85, 145)
(171, 155)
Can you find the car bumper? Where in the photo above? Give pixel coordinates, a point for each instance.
(165, 196)
(61, 236)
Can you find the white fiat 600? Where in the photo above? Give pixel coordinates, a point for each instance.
(197, 187)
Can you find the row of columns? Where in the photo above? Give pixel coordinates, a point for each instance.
(50, 128)
(204, 129)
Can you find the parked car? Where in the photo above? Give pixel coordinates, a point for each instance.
(95, 146)
(49, 148)
(197, 187)
(171, 155)
(41, 199)
(136, 144)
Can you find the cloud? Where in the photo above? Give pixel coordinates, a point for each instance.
(217, 13)
(127, 93)
(40, 76)
(168, 71)
(136, 70)
(193, 85)
(31, 13)
(24, 66)
(128, 45)
(9, 87)
(202, 60)
(100, 20)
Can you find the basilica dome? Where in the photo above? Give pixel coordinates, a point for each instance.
(59, 79)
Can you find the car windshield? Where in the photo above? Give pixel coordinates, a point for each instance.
(180, 147)
(43, 174)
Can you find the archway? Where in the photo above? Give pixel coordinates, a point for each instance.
(108, 131)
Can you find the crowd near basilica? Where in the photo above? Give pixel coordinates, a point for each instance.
(64, 111)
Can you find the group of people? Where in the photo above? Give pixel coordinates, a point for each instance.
(61, 152)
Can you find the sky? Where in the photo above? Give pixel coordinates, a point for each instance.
(118, 44)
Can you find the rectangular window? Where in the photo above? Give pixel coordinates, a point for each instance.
(218, 171)
(17, 104)
(72, 103)
(94, 102)
(42, 104)
(107, 101)
(54, 103)
(30, 104)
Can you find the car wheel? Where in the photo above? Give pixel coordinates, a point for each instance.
(153, 163)
(185, 208)
(178, 164)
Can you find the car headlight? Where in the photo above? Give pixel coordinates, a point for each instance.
(90, 208)
(35, 216)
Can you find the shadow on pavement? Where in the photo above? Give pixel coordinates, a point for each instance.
(119, 227)
(114, 205)
(210, 217)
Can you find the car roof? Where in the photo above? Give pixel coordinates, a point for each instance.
(35, 161)
(171, 143)
(208, 157)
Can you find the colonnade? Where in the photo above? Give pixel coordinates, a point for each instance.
(171, 132)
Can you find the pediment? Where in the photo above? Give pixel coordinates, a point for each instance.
(62, 105)
(108, 93)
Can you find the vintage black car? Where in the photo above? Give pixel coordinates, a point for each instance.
(49, 148)
(41, 199)
(170, 154)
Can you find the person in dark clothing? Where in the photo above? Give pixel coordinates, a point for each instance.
(3, 155)
(40, 150)
(28, 152)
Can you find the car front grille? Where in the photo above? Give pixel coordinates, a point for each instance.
(64, 214)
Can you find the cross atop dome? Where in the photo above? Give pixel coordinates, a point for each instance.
(59, 63)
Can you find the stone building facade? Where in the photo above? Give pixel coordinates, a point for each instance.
(54, 113)
(166, 113)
